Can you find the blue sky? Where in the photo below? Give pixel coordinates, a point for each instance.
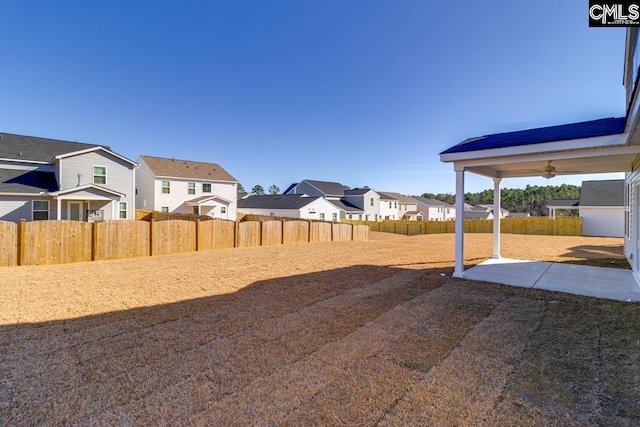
(363, 92)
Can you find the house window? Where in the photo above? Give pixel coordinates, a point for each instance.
(99, 174)
(166, 187)
(390, 205)
(206, 188)
(191, 188)
(164, 209)
(350, 216)
(372, 201)
(196, 210)
(122, 210)
(223, 209)
(322, 216)
(40, 210)
(360, 216)
(395, 205)
(334, 216)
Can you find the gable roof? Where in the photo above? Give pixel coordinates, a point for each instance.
(589, 129)
(399, 197)
(431, 202)
(328, 188)
(175, 168)
(386, 196)
(282, 201)
(21, 181)
(35, 149)
(602, 193)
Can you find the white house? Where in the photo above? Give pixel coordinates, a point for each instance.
(601, 207)
(407, 207)
(435, 210)
(388, 206)
(185, 186)
(327, 189)
(367, 200)
(290, 206)
(44, 179)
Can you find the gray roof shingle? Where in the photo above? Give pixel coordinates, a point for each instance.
(602, 193)
(31, 148)
(329, 188)
(21, 181)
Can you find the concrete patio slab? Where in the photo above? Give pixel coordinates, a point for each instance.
(600, 282)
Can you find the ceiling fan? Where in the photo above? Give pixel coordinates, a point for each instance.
(549, 171)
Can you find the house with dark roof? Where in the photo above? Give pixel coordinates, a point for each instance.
(601, 207)
(327, 189)
(290, 206)
(42, 178)
(186, 186)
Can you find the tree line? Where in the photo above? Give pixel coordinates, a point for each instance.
(532, 199)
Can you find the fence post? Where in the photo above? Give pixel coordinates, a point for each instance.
(309, 231)
(197, 234)
(282, 231)
(94, 240)
(351, 232)
(152, 230)
(235, 234)
(260, 231)
(21, 242)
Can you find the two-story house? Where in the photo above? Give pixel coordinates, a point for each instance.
(366, 200)
(290, 206)
(43, 179)
(407, 207)
(435, 210)
(388, 206)
(185, 186)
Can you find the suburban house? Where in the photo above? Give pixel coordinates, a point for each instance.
(357, 203)
(407, 207)
(435, 210)
(43, 179)
(596, 146)
(185, 186)
(290, 206)
(601, 207)
(388, 206)
(366, 199)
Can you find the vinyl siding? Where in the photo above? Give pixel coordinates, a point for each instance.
(179, 195)
(145, 184)
(120, 174)
(16, 208)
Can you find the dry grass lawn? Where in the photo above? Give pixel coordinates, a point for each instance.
(339, 334)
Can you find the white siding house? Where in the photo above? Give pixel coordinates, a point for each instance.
(388, 207)
(290, 206)
(51, 179)
(602, 208)
(184, 186)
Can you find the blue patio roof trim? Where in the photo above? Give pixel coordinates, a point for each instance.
(590, 129)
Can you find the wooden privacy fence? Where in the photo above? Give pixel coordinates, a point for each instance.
(60, 242)
(564, 226)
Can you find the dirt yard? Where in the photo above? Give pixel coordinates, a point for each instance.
(340, 334)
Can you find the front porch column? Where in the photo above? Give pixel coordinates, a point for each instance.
(58, 208)
(459, 240)
(497, 211)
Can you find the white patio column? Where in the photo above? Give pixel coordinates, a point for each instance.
(58, 208)
(496, 217)
(459, 240)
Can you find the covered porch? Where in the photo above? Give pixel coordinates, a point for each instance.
(213, 206)
(599, 146)
(90, 203)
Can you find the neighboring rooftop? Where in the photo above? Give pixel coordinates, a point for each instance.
(32, 148)
(399, 197)
(329, 188)
(602, 193)
(357, 191)
(286, 201)
(346, 206)
(431, 202)
(563, 203)
(176, 168)
(21, 181)
(589, 129)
